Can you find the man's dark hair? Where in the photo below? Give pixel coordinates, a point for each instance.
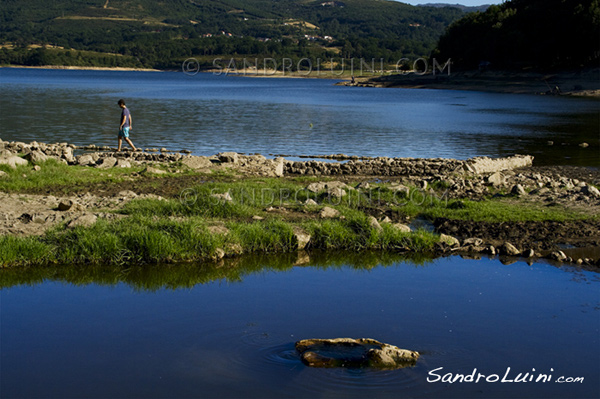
(121, 102)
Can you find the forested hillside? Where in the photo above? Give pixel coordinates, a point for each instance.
(542, 34)
(160, 34)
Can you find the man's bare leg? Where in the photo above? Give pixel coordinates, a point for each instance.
(130, 143)
(120, 142)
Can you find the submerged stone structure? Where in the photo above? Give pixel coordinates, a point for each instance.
(354, 353)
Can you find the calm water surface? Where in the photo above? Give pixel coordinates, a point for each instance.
(209, 114)
(228, 332)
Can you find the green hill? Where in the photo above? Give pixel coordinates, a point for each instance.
(541, 34)
(160, 34)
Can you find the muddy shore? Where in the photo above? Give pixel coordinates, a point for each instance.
(166, 174)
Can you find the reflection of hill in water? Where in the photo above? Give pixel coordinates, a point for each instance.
(187, 275)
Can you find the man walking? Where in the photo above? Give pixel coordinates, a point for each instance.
(125, 125)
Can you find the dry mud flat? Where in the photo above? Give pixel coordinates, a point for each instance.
(512, 179)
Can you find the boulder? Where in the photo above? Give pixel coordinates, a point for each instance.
(196, 163)
(329, 186)
(558, 255)
(451, 241)
(36, 157)
(354, 353)
(310, 202)
(86, 160)
(328, 213)
(64, 206)
(375, 224)
(228, 157)
(302, 237)
(496, 179)
(473, 241)
(402, 227)
(590, 191)
(152, 170)
(85, 220)
(3, 174)
(13, 161)
(489, 165)
(518, 190)
(508, 249)
(107, 162)
(123, 163)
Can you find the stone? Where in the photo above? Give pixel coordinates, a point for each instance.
(322, 186)
(385, 219)
(86, 160)
(85, 220)
(374, 224)
(107, 162)
(451, 241)
(219, 254)
(36, 157)
(12, 161)
(310, 202)
(123, 163)
(489, 165)
(228, 157)
(363, 186)
(558, 255)
(279, 167)
(64, 206)
(37, 168)
(302, 237)
(530, 253)
(400, 188)
(196, 163)
(3, 174)
(218, 229)
(152, 170)
(256, 217)
(354, 353)
(328, 213)
(402, 227)
(476, 242)
(590, 191)
(518, 189)
(508, 249)
(336, 192)
(496, 179)
(584, 145)
(223, 197)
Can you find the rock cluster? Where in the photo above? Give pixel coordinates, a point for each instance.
(384, 166)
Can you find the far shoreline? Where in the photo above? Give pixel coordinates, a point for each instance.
(582, 83)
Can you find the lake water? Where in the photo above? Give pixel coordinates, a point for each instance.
(208, 114)
(228, 331)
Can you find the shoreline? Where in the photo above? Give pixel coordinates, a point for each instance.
(584, 83)
(439, 206)
(82, 68)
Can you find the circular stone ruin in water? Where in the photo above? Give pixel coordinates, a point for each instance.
(350, 352)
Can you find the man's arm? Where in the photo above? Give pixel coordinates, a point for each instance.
(130, 122)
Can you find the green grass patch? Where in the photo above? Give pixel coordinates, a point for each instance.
(55, 174)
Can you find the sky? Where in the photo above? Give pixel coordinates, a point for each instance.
(463, 2)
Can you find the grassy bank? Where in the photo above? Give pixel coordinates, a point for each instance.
(264, 215)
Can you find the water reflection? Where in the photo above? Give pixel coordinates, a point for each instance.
(188, 275)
